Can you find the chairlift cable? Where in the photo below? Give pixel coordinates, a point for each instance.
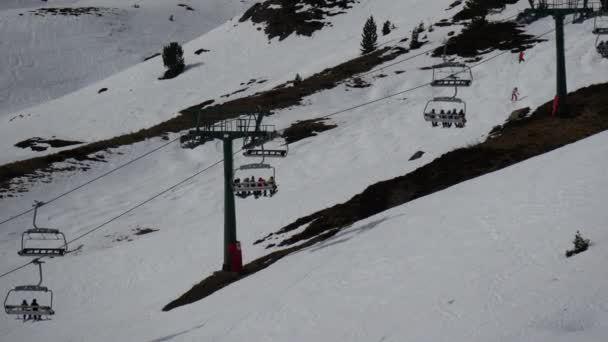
(221, 161)
(92, 180)
(176, 139)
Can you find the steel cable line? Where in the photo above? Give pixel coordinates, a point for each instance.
(11, 218)
(221, 161)
(103, 175)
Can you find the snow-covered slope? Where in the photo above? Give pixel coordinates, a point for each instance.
(43, 57)
(490, 268)
(238, 52)
(481, 261)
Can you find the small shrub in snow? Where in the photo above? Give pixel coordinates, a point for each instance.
(369, 38)
(580, 245)
(173, 58)
(386, 28)
(297, 80)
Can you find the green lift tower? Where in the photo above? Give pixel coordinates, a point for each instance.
(559, 9)
(249, 128)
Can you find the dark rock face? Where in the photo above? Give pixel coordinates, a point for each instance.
(39, 144)
(282, 18)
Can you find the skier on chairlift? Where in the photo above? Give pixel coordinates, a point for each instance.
(35, 309)
(24, 306)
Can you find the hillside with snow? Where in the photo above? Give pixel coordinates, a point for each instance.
(482, 260)
(52, 48)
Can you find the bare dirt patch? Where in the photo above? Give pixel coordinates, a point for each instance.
(306, 128)
(483, 37)
(303, 17)
(40, 144)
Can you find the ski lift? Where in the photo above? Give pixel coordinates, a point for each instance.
(242, 188)
(14, 306)
(452, 74)
(252, 151)
(446, 110)
(192, 139)
(600, 23)
(39, 242)
(602, 47)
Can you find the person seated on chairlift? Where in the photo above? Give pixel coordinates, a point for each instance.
(261, 182)
(433, 113)
(35, 309)
(272, 183)
(24, 307)
(461, 113)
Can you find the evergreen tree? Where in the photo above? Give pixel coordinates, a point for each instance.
(386, 28)
(414, 43)
(421, 27)
(369, 41)
(173, 58)
(297, 80)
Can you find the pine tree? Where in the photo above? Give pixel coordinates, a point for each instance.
(369, 37)
(414, 43)
(421, 27)
(297, 80)
(580, 245)
(386, 28)
(173, 58)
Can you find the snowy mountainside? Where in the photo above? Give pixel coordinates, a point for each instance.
(236, 56)
(383, 279)
(46, 55)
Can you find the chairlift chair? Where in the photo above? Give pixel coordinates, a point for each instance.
(454, 112)
(19, 292)
(601, 47)
(263, 152)
(37, 242)
(12, 301)
(192, 139)
(600, 24)
(452, 74)
(250, 186)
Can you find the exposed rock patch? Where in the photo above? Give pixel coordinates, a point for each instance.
(303, 17)
(40, 144)
(306, 128)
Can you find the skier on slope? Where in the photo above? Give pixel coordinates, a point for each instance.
(521, 57)
(514, 94)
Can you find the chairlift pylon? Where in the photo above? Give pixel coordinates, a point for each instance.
(13, 306)
(35, 242)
